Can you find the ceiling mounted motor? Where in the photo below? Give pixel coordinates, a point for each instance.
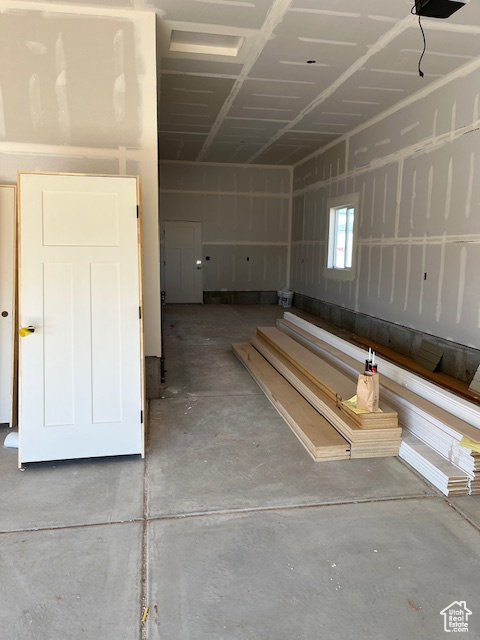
(437, 8)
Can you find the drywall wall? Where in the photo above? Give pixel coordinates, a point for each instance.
(418, 223)
(245, 215)
(80, 96)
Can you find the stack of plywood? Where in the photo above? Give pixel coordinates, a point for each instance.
(442, 431)
(320, 439)
(299, 382)
(332, 382)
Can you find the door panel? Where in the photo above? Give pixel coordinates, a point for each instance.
(7, 270)
(183, 262)
(81, 373)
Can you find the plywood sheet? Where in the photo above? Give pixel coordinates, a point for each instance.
(333, 383)
(319, 438)
(364, 442)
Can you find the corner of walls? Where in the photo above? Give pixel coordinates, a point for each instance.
(419, 220)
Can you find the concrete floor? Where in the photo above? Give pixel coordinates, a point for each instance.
(228, 530)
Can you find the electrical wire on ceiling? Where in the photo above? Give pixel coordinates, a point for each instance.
(414, 12)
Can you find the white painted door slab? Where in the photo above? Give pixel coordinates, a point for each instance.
(81, 382)
(7, 224)
(183, 262)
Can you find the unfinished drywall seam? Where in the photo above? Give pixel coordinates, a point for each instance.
(426, 145)
(61, 89)
(462, 72)
(122, 161)
(244, 243)
(408, 275)
(252, 194)
(238, 165)
(419, 240)
(375, 48)
(77, 9)
(461, 284)
(35, 96)
(290, 223)
(65, 151)
(380, 269)
(119, 83)
(275, 16)
(471, 173)
(399, 196)
(438, 312)
(422, 276)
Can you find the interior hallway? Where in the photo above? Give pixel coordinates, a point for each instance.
(228, 530)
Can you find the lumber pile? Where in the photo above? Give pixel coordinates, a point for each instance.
(308, 391)
(330, 380)
(319, 438)
(457, 386)
(442, 431)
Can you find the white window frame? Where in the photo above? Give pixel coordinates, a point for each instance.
(350, 200)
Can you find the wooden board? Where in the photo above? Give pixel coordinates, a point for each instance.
(475, 383)
(319, 438)
(444, 475)
(332, 382)
(364, 443)
(442, 379)
(429, 355)
(429, 422)
(424, 409)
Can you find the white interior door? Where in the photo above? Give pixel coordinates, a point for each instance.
(7, 270)
(81, 382)
(183, 262)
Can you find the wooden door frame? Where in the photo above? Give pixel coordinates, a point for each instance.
(14, 343)
(140, 283)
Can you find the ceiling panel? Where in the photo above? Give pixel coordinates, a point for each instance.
(393, 9)
(283, 154)
(103, 3)
(202, 67)
(263, 129)
(333, 43)
(445, 53)
(241, 13)
(190, 104)
(233, 151)
(271, 105)
(180, 146)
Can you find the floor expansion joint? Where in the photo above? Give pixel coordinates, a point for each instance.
(289, 507)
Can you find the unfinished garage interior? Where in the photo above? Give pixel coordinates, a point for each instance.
(210, 211)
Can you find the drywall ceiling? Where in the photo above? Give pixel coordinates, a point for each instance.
(236, 86)
(268, 105)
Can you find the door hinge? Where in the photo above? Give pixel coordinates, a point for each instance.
(138, 211)
(140, 312)
(141, 417)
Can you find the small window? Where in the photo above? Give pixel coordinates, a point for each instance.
(341, 236)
